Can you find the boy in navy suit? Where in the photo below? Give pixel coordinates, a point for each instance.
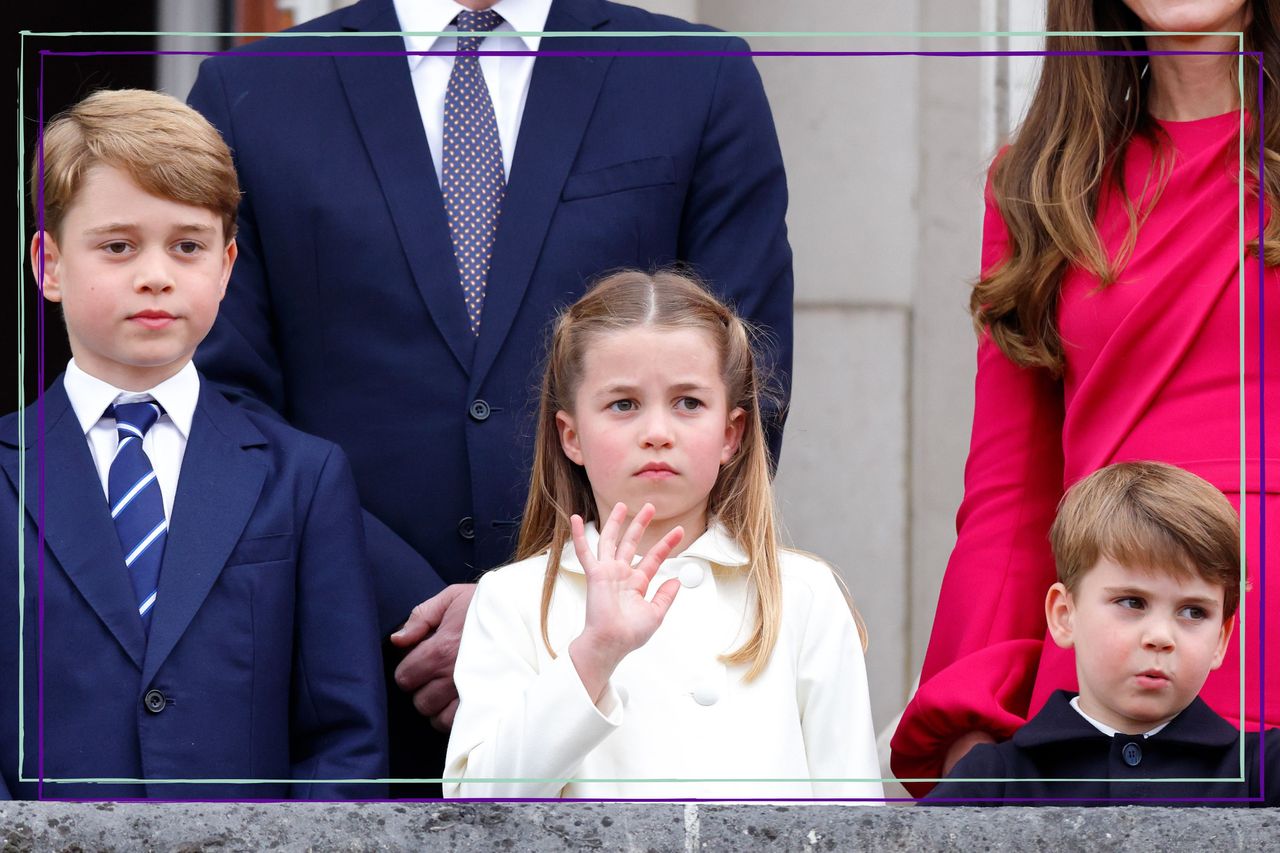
(196, 603)
(1148, 559)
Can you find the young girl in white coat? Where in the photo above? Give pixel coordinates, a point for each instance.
(718, 665)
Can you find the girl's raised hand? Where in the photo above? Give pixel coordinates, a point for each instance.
(619, 618)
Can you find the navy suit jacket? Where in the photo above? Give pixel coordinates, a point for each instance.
(345, 314)
(1058, 743)
(262, 660)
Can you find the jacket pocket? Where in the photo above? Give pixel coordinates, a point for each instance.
(633, 175)
(262, 549)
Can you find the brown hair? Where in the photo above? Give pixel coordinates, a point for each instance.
(168, 148)
(742, 497)
(1085, 112)
(1149, 515)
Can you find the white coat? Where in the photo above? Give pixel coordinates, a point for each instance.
(674, 722)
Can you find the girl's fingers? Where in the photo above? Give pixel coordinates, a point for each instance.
(631, 539)
(609, 533)
(664, 596)
(579, 532)
(659, 552)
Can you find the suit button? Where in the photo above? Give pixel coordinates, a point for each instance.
(1132, 754)
(706, 694)
(467, 528)
(479, 410)
(154, 701)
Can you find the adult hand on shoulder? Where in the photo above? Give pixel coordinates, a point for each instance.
(432, 633)
(619, 619)
(961, 747)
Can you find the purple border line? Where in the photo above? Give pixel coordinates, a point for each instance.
(1262, 441)
(40, 407)
(40, 456)
(651, 53)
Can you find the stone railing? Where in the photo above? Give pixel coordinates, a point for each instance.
(625, 826)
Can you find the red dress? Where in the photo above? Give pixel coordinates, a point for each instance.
(1152, 371)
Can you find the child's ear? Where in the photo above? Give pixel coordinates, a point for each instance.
(1228, 626)
(228, 261)
(569, 437)
(44, 244)
(1059, 612)
(734, 426)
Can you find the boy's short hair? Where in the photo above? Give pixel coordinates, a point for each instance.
(1149, 515)
(168, 148)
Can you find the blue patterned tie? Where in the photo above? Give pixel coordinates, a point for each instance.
(472, 179)
(136, 505)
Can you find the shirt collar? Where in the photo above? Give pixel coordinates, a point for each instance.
(715, 546)
(90, 396)
(436, 16)
(1104, 728)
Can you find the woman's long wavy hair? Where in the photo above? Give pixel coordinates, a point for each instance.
(1085, 112)
(741, 499)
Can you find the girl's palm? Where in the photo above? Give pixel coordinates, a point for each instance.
(619, 618)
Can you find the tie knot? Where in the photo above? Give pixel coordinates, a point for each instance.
(475, 22)
(135, 418)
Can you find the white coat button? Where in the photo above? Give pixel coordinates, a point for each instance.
(706, 694)
(691, 574)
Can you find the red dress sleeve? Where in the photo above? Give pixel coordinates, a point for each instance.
(989, 628)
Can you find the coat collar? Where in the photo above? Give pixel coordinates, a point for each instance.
(1058, 722)
(715, 546)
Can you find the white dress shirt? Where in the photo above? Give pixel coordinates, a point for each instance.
(672, 711)
(166, 441)
(506, 76)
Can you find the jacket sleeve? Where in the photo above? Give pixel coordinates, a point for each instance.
(831, 691)
(733, 230)
(240, 354)
(976, 780)
(520, 730)
(338, 722)
(989, 628)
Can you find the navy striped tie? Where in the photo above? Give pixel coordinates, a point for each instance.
(136, 505)
(472, 178)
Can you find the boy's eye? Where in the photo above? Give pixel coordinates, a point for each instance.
(688, 404)
(1191, 611)
(116, 247)
(623, 406)
(1131, 602)
(188, 247)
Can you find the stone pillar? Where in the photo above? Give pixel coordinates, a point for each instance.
(849, 127)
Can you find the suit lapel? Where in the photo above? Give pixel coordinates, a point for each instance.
(562, 96)
(76, 521)
(380, 94)
(218, 490)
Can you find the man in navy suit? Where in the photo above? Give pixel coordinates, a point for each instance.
(347, 314)
(196, 600)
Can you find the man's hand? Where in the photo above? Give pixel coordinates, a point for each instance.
(432, 633)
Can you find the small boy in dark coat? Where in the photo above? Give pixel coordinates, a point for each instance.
(1148, 559)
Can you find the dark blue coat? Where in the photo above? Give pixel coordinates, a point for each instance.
(262, 660)
(1058, 743)
(345, 314)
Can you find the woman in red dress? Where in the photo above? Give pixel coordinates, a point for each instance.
(1119, 320)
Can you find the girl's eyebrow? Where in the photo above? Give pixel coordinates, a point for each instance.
(678, 388)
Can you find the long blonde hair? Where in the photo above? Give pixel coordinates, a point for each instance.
(741, 499)
(1085, 112)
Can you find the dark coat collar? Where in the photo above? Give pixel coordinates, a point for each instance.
(1058, 722)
